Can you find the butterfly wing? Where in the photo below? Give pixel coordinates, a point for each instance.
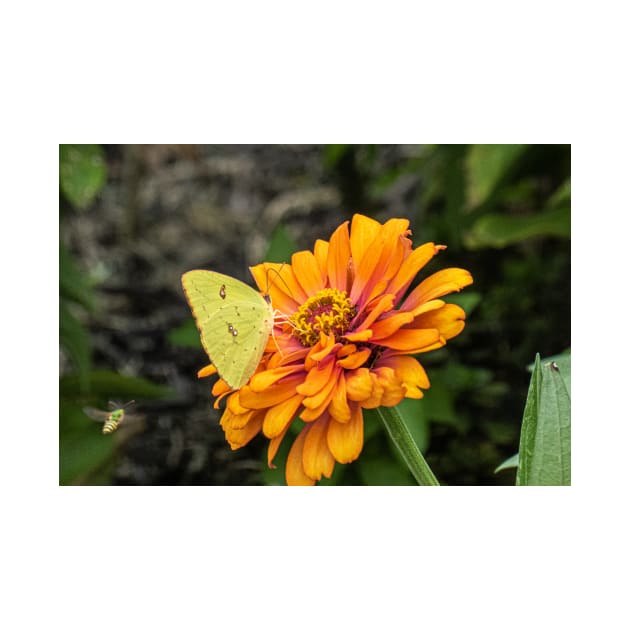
(234, 323)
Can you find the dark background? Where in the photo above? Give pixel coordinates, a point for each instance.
(133, 218)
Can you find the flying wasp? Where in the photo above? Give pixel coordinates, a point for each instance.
(112, 418)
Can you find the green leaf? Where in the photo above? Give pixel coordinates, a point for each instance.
(467, 300)
(75, 340)
(545, 446)
(82, 446)
(414, 416)
(333, 153)
(113, 385)
(73, 285)
(281, 246)
(488, 166)
(510, 462)
(185, 336)
(563, 361)
(82, 172)
(500, 230)
(378, 472)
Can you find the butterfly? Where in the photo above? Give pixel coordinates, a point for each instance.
(234, 322)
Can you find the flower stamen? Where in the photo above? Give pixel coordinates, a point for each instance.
(329, 311)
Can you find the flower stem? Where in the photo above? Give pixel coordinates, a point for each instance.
(399, 433)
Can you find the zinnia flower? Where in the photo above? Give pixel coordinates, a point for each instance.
(344, 343)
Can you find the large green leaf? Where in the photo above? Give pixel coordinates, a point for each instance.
(83, 449)
(82, 172)
(186, 335)
(500, 230)
(75, 340)
(545, 446)
(73, 285)
(113, 385)
(488, 166)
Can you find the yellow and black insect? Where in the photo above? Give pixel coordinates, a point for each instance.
(113, 417)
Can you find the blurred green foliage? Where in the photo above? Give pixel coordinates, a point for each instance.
(85, 455)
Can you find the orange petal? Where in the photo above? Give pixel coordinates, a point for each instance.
(325, 393)
(384, 304)
(278, 417)
(432, 305)
(449, 320)
(338, 258)
(362, 232)
(355, 360)
(316, 456)
(279, 280)
(393, 391)
(272, 396)
(321, 255)
(358, 384)
(411, 340)
(416, 260)
(261, 381)
(220, 387)
(407, 369)
(436, 285)
(387, 326)
(339, 408)
(238, 437)
(307, 272)
(345, 440)
(362, 335)
(234, 404)
(316, 379)
(274, 445)
(209, 370)
(295, 474)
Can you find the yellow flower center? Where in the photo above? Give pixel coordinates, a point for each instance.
(328, 311)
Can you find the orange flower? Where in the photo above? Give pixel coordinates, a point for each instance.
(343, 344)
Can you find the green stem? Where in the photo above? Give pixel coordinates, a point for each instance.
(399, 433)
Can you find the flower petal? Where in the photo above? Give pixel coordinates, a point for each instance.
(273, 395)
(339, 258)
(411, 340)
(279, 280)
(362, 232)
(387, 326)
(345, 440)
(316, 456)
(358, 384)
(320, 250)
(295, 474)
(316, 379)
(416, 260)
(274, 445)
(355, 360)
(384, 304)
(325, 393)
(239, 436)
(265, 379)
(362, 335)
(278, 417)
(438, 284)
(339, 408)
(307, 272)
(209, 370)
(449, 320)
